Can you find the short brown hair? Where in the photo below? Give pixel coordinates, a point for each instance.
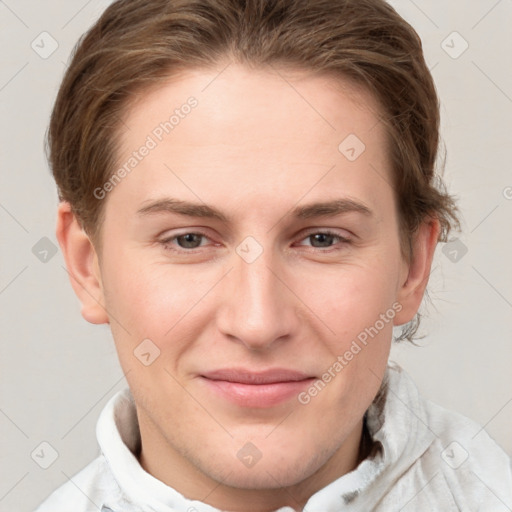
(139, 43)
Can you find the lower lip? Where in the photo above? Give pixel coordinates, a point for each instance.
(257, 395)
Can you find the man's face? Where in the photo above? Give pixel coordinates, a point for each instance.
(253, 295)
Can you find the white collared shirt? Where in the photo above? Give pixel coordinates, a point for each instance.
(426, 459)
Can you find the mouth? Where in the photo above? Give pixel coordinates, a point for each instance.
(265, 389)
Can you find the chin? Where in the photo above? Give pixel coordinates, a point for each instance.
(268, 472)
(268, 476)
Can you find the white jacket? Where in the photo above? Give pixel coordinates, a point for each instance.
(429, 459)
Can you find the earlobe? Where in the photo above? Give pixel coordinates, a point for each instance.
(82, 265)
(413, 285)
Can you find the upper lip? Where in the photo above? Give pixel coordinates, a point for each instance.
(270, 376)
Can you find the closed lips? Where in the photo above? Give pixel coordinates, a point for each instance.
(254, 378)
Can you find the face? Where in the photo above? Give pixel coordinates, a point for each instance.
(255, 248)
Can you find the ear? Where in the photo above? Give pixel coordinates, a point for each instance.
(82, 265)
(416, 273)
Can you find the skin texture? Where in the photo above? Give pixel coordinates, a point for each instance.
(254, 148)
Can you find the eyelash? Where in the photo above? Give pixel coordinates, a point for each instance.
(167, 243)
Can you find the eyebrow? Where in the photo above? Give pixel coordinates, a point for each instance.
(318, 209)
(331, 208)
(182, 208)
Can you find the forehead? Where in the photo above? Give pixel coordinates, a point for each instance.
(254, 132)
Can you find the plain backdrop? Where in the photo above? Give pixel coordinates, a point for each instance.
(57, 371)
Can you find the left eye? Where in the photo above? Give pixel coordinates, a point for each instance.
(324, 239)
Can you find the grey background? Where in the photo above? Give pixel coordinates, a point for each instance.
(57, 371)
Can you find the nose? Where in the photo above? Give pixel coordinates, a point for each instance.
(258, 308)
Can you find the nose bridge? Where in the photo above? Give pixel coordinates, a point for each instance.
(258, 310)
(256, 283)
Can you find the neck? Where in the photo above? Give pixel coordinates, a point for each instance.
(178, 472)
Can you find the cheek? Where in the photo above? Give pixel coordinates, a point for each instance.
(143, 292)
(359, 307)
(351, 298)
(356, 303)
(152, 312)
(150, 302)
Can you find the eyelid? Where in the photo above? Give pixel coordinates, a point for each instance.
(327, 231)
(332, 231)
